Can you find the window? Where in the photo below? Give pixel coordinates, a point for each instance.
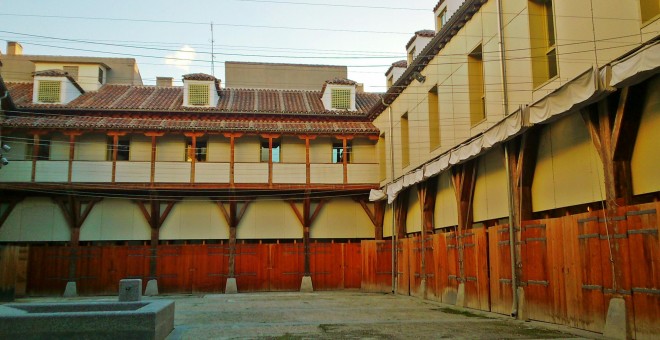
(338, 152)
(341, 99)
(434, 118)
(405, 141)
(123, 148)
(476, 86)
(542, 41)
(650, 9)
(72, 71)
(43, 150)
(265, 150)
(198, 152)
(198, 94)
(100, 75)
(49, 91)
(442, 19)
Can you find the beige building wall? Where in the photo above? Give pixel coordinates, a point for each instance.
(35, 219)
(568, 170)
(115, 220)
(414, 217)
(195, 219)
(247, 149)
(280, 76)
(218, 149)
(170, 148)
(387, 221)
(320, 150)
(269, 218)
(18, 142)
(446, 210)
(342, 218)
(364, 151)
(645, 161)
(490, 190)
(293, 150)
(90, 147)
(59, 147)
(140, 149)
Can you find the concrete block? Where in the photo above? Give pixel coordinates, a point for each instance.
(306, 285)
(616, 326)
(460, 296)
(422, 289)
(130, 290)
(230, 287)
(70, 290)
(152, 288)
(522, 315)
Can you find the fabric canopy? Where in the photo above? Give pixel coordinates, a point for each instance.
(636, 67)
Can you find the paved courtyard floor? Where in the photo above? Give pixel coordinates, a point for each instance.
(344, 315)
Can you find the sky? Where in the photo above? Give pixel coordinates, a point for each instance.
(171, 38)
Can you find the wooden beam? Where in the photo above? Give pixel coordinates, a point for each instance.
(427, 192)
(401, 213)
(11, 204)
(463, 179)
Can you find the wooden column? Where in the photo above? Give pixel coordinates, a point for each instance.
(613, 124)
(306, 219)
(270, 138)
(36, 137)
(75, 216)
(193, 161)
(72, 147)
(115, 147)
(463, 179)
(232, 142)
(307, 139)
(233, 218)
(155, 219)
(345, 155)
(153, 136)
(522, 152)
(426, 193)
(401, 213)
(377, 216)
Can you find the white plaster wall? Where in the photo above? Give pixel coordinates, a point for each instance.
(342, 218)
(172, 172)
(35, 219)
(115, 220)
(327, 173)
(326, 98)
(52, 171)
(213, 93)
(646, 157)
(195, 219)
(568, 170)
(212, 173)
(132, 172)
(269, 219)
(290, 173)
(251, 172)
(16, 171)
(88, 74)
(490, 190)
(363, 173)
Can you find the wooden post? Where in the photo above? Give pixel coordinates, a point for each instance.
(463, 179)
(193, 136)
(153, 136)
(270, 138)
(115, 148)
(233, 218)
(377, 216)
(401, 213)
(232, 145)
(426, 194)
(155, 219)
(307, 139)
(306, 219)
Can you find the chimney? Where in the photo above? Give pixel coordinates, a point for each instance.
(359, 88)
(14, 48)
(164, 81)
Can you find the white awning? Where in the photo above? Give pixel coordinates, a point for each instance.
(636, 67)
(376, 195)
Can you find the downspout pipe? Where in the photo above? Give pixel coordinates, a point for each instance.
(394, 236)
(509, 182)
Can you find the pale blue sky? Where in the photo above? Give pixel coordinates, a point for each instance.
(367, 53)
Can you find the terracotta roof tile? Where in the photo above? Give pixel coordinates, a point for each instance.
(400, 63)
(230, 124)
(164, 99)
(422, 33)
(438, 5)
(341, 81)
(199, 76)
(51, 73)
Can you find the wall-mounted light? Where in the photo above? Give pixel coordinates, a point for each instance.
(419, 77)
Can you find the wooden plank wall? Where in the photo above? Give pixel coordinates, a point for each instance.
(566, 269)
(376, 266)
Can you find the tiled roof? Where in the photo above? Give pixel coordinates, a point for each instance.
(170, 99)
(211, 125)
(422, 33)
(400, 63)
(438, 5)
(51, 73)
(341, 81)
(198, 76)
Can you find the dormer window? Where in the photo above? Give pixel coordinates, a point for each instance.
(200, 90)
(198, 94)
(49, 91)
(341, 99)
